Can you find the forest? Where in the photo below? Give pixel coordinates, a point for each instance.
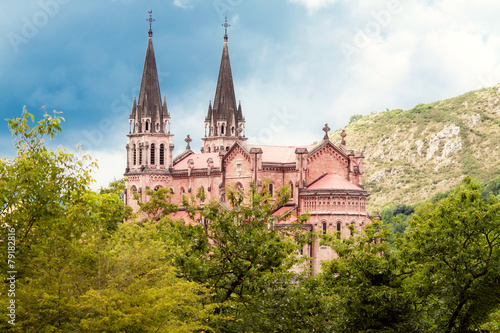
(78, 260)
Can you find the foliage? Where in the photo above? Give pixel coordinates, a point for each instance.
(396, 217)
(354, 118)
(78, 268)
(238, 253)
(454, 249)
(364, 285)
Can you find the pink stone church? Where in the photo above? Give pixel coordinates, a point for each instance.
(325, 180)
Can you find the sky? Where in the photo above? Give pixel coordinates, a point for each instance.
(296, 64)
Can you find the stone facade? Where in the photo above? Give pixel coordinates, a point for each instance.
(325, 179)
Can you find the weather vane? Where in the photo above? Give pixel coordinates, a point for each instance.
(225, 25)
(150, 20)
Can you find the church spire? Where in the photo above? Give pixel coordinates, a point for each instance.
(224, 116)
(149, 114)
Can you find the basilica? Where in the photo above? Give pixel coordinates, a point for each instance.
(325, 179)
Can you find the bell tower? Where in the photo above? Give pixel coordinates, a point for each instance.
(224, 124)
(149, 141)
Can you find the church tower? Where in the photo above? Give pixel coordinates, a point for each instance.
(149, 142)
(224, 124)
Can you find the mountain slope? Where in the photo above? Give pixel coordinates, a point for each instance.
(412, 155)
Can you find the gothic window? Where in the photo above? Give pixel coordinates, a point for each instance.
(232, 130)
(227, 148)
(140, 156)
(153, 151)
(339, 229)
(291, 189)
(222, 129)
(135, 155)
(162, 154)
(202, 190)
(239, 188)
(182, 190)
(209, 149)
(133, 190)
(324, 228)
(157, 127)
(157, 187)
(271, 189)
(147, 126)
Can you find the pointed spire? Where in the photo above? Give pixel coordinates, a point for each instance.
(149, 104)
(224, 105)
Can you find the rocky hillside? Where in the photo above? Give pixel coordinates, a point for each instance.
(412, 155)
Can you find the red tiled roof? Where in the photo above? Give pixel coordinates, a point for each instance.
(200, 161)
(333, 182)
(283, 210)
(278, 154)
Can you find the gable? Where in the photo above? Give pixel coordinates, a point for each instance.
(236, 151)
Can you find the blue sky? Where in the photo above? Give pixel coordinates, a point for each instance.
(297, 64)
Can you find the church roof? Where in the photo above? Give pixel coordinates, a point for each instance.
(333, 181)
(199, 161)
(279, 154)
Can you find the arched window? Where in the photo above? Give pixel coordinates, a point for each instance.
(153, 151)
(182, 191)
(162, 154)
(271, 189)
(140, 156)
(209, 149)
(291, 190)
(147, 126)
(339, 229)
(227, 148)
(324, 228)
(239, 188)
(135, 155)
(202, 200)
(157, 187)
(222, 129)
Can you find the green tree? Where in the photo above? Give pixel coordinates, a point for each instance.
(78, 268)
(239, 253)
(354, 118)
(364, 287)
(453, 249)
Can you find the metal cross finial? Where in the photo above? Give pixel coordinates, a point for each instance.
(326, 129)
(150, 20)
(225, 25)
(343, 135)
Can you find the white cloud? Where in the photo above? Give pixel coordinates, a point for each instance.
(313, 5)
(111, 166)
(184, 4)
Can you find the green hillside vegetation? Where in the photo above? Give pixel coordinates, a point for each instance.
(414, 154)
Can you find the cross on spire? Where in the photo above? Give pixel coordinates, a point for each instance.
(150, 20)
(225, 25)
